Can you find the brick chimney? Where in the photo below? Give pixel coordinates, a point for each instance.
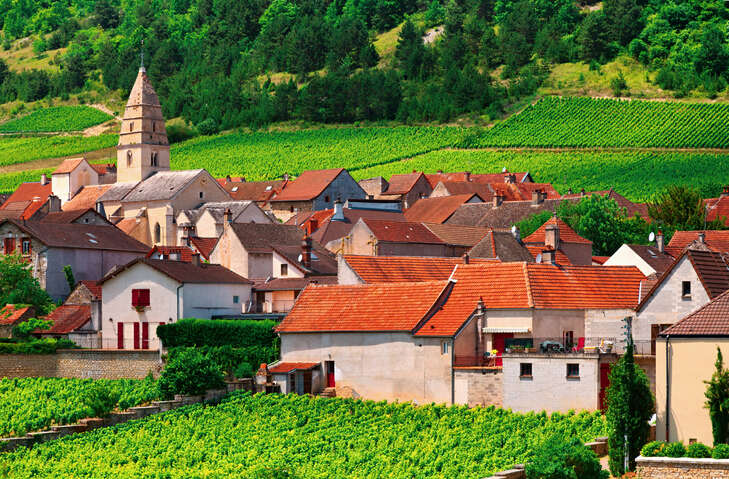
(549, 256)
(54, 204)
(551, 237)
(468, 176)
(702, 237)
(466, 258)
(724, 192)
(228, 216)
(510, 178)
(660, 244)
(537, 197)
(306, 251)
(228, 179)
(498, 199)
(44, 179)
(196, 259)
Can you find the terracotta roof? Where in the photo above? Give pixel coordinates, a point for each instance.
(127, 225)
(308, 185)
(716, 240)
(561, 258)
(27, 199)
(401, 232)
(566, 234)
(503, 216)
(435, 178)
(466, 187)
(93, 287)
(399, 269)
(103, 168)
(9, 314)
(328, 230)
(710, 320)
(86, 198)
(80, 236)
(600, 259)
(185, 272)
(457, 234)
(67, 166)
(260, 191)
(67, 318)
(660, 262)
(184, 253)
(66, 217)
(296, 284)
(501, 245)
(204, 246)
(367, 307)
(284, 368)
(718, 208)
(402, 184)
(436, 210)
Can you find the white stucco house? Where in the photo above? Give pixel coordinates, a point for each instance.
(145, 293)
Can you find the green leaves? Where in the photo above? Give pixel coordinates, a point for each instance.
(18, 286)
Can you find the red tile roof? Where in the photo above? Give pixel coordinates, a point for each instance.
(260, 191)
(401, 232)
(283, 368)
(718, 208)
(327, 230)
(204, 246)
(399, 269)
(402, 184)
(184, 253)
(86, 198)
(566, 234)
(10, 314)
(467, 187)
(367, 307)
(710, 320)
(185, 272)
(68, 166)
(103, 168)
(457, 234)
(463, 176)
(716, 240)
(308, 185)
(67, 318)
(436, 210)
(93, 286)
(600, 259)
(561, 258)
(27, 199)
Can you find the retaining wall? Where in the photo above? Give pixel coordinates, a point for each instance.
(82, 363)
(681, 468)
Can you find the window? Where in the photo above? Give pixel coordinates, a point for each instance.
(201, 195)
(154, 126)
(157, 233)
(326, 199)
(154, 158)
(525, 370)
(129, 157)
(686, 289)
(236, 299)
(573, 370)
(25, 245)
(131, 125)
(140, 298)
(444, 347)
(284, 270)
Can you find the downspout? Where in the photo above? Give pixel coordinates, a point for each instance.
(668, 389)
(453, 373)
(178, 300)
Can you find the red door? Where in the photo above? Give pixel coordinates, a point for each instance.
(330, 374)
(120, 336)
(604, 383)
(499, 343)
(145, 335)
(136, 335)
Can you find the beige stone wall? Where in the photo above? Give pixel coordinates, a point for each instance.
(681, 468)
(478, 387)
(625, 256)
(82, 364)
(229, 252)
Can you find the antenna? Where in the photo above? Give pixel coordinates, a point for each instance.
(539, 258)
(504, 170)
(651, 237)
(513, 229)
(141, 64)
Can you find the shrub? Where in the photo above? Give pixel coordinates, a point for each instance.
(674, 449)
(189, 372)
(652, 449)
(244, 370)
(558, 458)
(38, 346)
(23, 330)
(100, 399)
(721, 451)
(207, 127)
(698, 450)
(205, 332)
(228, 358)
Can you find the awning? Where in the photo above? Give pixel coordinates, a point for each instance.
(488, 330)
(284, 368)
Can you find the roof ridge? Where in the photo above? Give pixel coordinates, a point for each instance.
(530, 297)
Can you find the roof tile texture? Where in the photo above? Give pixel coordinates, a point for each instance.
(436, 210)
(308, 185)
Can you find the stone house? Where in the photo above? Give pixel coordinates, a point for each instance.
(395, 238)
(90, 250)
(650, 260)
(556, 235)
(74, 322)
(315, 190)
(208, 221)
(713, 240)
(74, 174)
(28, 199)
(145, 293)
(407, 188)
(11, 315)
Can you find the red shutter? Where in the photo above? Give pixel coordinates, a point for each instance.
(144, 297)
(136, 335)
(145, 335)
(120, 336)
(9, 245)
(135, 298)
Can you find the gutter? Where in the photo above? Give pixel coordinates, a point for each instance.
(453, 373)
(178, 300)
(668, 388)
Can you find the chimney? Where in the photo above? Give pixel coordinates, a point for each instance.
(228, 216)
(724, 192)
(338, 211)
(510, 178)
(227, 179)
(537, 197)
(100, 208)
(440, 172)
(44, 179)
(466, 258)
(54, 204)
(549, 256)
(306, 251)
(498, 199)
(517, 234)
(468, 176)
(659, 242)
(285, 177)
(569, 191)
(702, 237)
(196, 259)
(551, 237)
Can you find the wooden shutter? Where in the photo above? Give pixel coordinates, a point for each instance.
(135, 298)
(144, 297)
(9, 245)
(136, 335)
(145, 335)
(120, 336)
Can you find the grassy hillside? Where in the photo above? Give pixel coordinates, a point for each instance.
(14, 150)
(57, 118)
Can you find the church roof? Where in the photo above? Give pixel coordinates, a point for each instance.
(163, 185)
(142, 92)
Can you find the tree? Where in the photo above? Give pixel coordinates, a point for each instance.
(18, 286)
(593, 38)
(630, 406)
(624, 19)
(712, 57)
(106, 15)
(717, 400)
(410, 51)
(680, 207)
(435, 13)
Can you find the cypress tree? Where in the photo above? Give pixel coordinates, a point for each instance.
(717, 401)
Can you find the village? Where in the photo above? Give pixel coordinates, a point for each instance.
(414, 288)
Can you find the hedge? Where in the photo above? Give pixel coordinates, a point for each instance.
(227, 358)
(218, 332)
(677, 449)
(38, 346)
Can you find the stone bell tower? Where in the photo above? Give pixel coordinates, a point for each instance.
(143, 147)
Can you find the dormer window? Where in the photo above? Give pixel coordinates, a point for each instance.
(686, 289)
(284, 270)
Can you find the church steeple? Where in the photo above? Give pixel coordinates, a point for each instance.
(143, 146)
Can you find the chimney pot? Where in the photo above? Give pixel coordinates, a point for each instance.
(44, 179)
(338, 211)
(227, 179)
(724, 192)
(466, 258)
(659, 242)
(196, 259)
(537, 197)
(306, 251)
(702, 237)
(551, 237)
(228, 216)
(468, 176)
(54, 204)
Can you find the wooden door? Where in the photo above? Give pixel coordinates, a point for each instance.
(499, 342)
(655, 329)
(604, 383)
(330, 374)
(9, 245)
(307, 382)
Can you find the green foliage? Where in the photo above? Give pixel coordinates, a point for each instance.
(618, 84)
(18, 286)
(23, 330)
(721, 451)
(564, 458)
(227, 358)
(189, 372)
(10, 181)
(37, 346)
(673, 449)
(244, 370)
(22, 150)
(68, 272)
(585, 122)
(698, 450)
(717, 400)
(532, 223)
(56, 118)
(681, 207)
(248, 435)
(32, 404)
(630, 406)
(100, 399)
(653, 449)
(217, 332)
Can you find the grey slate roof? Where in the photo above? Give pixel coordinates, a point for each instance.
(163, 185)
(117, 192)
(503, 216)
(217, 209)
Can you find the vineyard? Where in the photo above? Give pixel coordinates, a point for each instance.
(10, 181)
(587, 122)
(22, 150)
(303, 437)
(56, 119)
(31, 404)
(636, 175)
(261, 156)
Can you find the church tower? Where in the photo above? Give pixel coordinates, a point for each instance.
(143, 147)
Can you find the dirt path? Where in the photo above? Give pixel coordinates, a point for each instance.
(46, 163)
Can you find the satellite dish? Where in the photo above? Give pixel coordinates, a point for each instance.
(513, 229)
(539, 258)
(651, 237)
(504, 170)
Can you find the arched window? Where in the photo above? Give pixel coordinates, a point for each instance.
(157, 233)
(154, 158)
(129, 157)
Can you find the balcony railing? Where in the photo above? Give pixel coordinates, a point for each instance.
(564, 345)
(490, 361)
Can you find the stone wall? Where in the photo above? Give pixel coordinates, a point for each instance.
(478, 387)
(682, 468)
(82, 363)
